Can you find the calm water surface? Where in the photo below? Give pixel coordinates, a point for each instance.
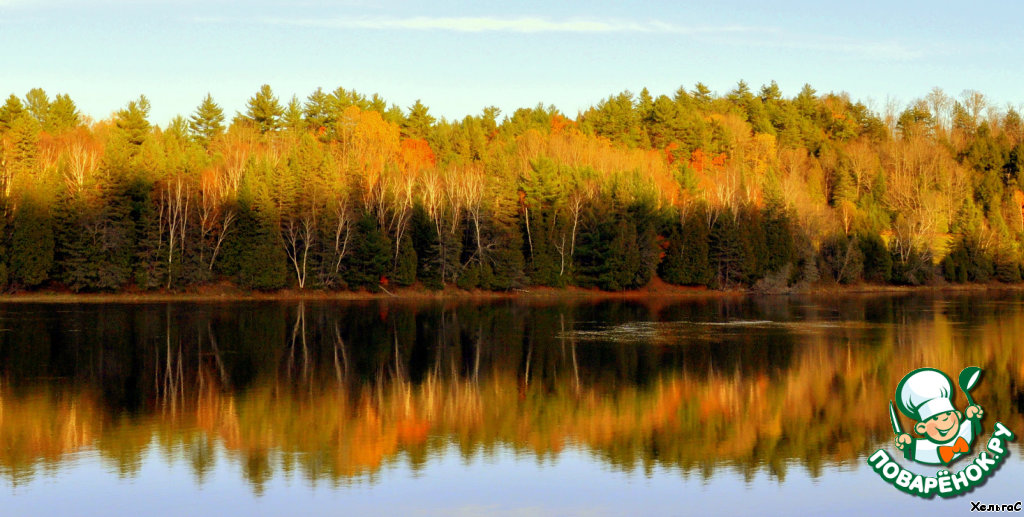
(728, 406)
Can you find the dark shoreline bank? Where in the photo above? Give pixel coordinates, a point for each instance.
(660, 291)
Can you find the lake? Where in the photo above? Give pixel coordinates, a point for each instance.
(726, 405)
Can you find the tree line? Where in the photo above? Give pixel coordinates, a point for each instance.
(345, 191)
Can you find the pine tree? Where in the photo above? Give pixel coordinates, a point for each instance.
(264, 111)
(38, 105)
(418, 122)
(63, 114)
(318, 112)
(133, 120)
(207, 122)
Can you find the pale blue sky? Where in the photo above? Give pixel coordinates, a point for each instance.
(459, 56)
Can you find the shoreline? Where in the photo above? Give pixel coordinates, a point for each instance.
(655, 290)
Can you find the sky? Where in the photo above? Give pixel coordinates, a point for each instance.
(459, 56)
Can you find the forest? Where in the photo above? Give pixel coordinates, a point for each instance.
(344, 191)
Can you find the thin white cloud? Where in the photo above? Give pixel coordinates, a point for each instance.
(759, 37)
(494, 24)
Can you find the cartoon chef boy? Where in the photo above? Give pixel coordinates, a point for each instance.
(925, 395)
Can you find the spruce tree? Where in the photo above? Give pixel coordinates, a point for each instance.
(367, 263)
(728, 251)
(31, 247)
(292, 118)
(686, 259)
(427, 246)
(404, 273)
(12, 110)
(778, 235)
(253, 252)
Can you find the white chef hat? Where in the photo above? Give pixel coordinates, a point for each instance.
(924, 393)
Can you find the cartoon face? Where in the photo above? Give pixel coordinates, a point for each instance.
(940, 428)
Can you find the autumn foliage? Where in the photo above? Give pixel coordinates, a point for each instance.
(348, 192)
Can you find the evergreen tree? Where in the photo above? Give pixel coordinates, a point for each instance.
(728, 251)
(756, 250)
(504, 264)
(417, 123)
(38, 105)
(64, 114)
(841, 259)
(702, 95)
(427, 246)
(23, 149)
(598, 264)
(207, 122)
(686, 259)
(318, 113)
(404, 273)
(264, 111)
(877, 259)
(292, 118)
(12, 110)
(253, 253)
(94, 241)
(367, 264)
(133, 120)
(778, 235)
(617, 249)
(31, 247)
(544, 191)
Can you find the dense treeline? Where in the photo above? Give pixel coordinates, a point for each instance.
(343, 191)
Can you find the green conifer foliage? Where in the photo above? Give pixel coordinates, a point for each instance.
(367, 264)
(11, 110)
(404, 273)
(427, 246)
(254, 253)
(64, 114)
(729, 253)
(207, 122)
(264, 111)
(32, 245)
(686, 259)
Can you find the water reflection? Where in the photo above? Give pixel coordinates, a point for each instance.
(336, 391)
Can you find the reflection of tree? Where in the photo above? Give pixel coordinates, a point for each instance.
(337, 392)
